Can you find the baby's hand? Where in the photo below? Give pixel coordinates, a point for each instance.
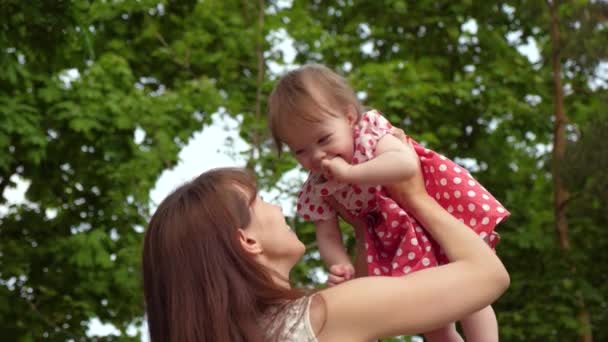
(340, 273)
(336, 168)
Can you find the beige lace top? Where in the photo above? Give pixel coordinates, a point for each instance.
(297, 326)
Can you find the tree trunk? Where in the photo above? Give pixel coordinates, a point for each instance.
(560, 194)
(256, 135)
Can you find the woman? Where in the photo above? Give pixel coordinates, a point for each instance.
(217, 257)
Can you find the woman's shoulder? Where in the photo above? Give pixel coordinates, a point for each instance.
(318, 318)
(316, 313)
(298, 320)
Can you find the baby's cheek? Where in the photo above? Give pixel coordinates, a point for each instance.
(305, 163)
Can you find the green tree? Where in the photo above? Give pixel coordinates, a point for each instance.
(570, 36)
(97, 98)
(584, 162)
(145, 75)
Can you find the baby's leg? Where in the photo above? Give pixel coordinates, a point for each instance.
(443, 334)
(481, 326)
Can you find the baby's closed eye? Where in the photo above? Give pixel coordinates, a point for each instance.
(325, 139)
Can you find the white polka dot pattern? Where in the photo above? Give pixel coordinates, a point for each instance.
(395, 242)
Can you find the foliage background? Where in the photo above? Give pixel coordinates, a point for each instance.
(80, 78)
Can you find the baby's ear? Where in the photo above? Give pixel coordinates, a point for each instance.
(352, 115)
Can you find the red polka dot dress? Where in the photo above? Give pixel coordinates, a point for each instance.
(396, 244)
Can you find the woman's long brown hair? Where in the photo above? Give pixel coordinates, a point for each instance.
(199, 285)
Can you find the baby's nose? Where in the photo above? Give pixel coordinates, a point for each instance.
(318, 156)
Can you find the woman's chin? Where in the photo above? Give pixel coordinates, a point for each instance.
(298, 253)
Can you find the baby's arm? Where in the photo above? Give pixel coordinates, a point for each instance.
(394, 161)
(329, 239)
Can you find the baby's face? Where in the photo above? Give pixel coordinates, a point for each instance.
(311, 142)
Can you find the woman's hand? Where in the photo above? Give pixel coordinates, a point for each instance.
(399, 134)
(403, 192)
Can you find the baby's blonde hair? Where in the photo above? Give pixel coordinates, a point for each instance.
(300, 94)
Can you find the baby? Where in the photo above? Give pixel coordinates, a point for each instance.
(350, 155)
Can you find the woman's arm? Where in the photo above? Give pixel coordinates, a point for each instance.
(375, 307)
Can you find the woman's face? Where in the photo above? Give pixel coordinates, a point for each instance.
(280, 245)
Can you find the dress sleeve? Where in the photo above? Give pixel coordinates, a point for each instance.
(373, 127)
(310, 203)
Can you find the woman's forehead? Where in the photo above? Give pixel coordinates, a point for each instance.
(247, 191)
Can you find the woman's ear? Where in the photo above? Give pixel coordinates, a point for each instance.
(249, 243)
